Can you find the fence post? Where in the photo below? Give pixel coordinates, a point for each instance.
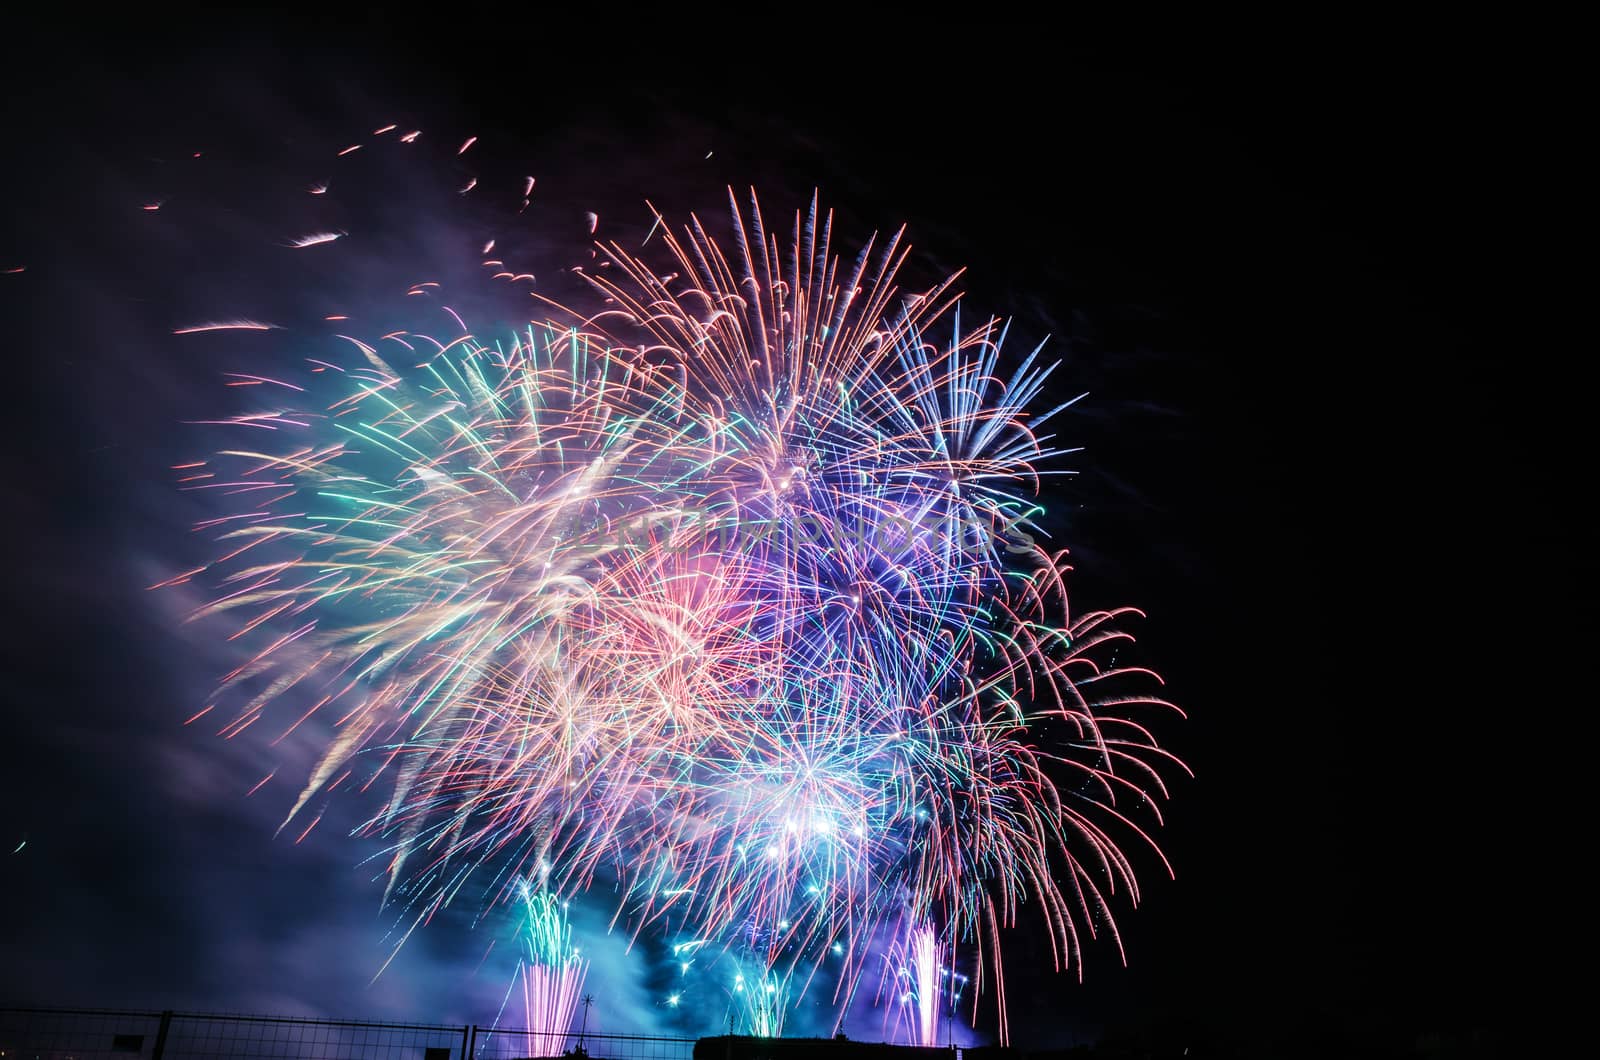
(470, 1036)
(161, 1035)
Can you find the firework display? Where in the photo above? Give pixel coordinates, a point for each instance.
(720, 599)
(926, 957)
(552, 970)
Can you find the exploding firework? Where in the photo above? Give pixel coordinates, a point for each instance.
(926, 955)
(760, 1002)
(552, 970)
(729, 595)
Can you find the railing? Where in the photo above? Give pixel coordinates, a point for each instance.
(107, 1034)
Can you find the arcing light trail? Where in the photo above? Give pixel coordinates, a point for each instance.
(724, 596)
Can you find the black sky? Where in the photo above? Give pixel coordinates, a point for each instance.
(1328, 451)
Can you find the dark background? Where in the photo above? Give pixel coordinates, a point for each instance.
(1330, 451)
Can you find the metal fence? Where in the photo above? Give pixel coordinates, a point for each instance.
(104, 1034)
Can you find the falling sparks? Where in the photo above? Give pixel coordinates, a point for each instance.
(301, 837)
(245, 379)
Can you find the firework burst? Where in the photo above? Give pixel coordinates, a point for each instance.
(729, 594)
(552, 968)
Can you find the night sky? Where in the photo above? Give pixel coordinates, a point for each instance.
(1323, 452)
